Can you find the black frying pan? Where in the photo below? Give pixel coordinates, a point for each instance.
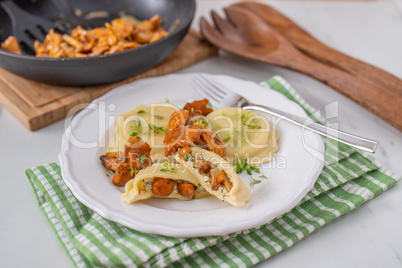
(105, 68)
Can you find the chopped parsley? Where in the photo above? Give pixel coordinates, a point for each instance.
(240, 166)
(254, 181)
(137, 128)
(156, 129)
(133, 172)
(144, 112)
(217, 128)
(252, 126)
(167, 100)
(201, 122)
(169, 168)
(253, 168)
(244, 118)
(188, 157)
(173, 170)
(229, 137)
(143, 158)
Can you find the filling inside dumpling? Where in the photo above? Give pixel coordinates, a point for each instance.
(165, 187)
(213, 176)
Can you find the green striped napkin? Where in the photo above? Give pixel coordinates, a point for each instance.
(349, 179)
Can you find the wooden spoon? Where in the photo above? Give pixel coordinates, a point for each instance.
(245, 34)
(314, 48)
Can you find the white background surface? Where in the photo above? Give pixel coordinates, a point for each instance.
(370, 236)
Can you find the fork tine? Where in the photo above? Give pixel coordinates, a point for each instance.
(221, 24)
(220, 95)
(204, 92)
(211, 85)
(227, 98)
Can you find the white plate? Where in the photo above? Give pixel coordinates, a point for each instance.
(291, 174)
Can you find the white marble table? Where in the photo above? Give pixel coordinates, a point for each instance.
(370, 236)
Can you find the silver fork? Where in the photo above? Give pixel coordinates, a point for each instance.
(219, 96)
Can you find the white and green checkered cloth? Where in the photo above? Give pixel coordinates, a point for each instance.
(348, 180)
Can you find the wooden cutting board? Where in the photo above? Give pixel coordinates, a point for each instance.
(37, 105)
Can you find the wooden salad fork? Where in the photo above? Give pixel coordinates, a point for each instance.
(246, 34)
(305, 42)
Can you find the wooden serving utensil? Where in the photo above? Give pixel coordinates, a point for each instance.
(246, 34)
(305, 42)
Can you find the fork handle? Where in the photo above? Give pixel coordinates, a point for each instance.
(352, 140)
